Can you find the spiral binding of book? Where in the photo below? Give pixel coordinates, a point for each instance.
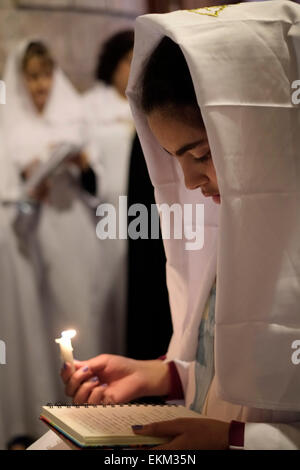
(112, 405)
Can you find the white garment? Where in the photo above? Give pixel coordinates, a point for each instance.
(253, 131)
(110, 132)
(49, 441)
(69, 250)
(67, 255)
(30, 376)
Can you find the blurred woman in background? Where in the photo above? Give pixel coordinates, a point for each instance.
(44, 112)
(138, 299)
(110, 132)
(27, 378)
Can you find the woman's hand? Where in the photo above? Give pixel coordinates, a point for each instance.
(30, 169)
(115, 379)
(41, 192)
(81, 161)
(189, 434)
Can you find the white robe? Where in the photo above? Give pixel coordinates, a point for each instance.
(30, 376)
(69, 251)
(110, 132)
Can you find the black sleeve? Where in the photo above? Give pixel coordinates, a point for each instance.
(88, 181)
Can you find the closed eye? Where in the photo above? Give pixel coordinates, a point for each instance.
(203, 159)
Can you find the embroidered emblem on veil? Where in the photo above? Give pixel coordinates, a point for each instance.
(209, 11)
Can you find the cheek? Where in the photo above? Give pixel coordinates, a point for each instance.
(124, 73)
(31, 86)
(49, 85)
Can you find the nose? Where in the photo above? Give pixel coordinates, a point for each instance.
(42, 84)
(193, 179)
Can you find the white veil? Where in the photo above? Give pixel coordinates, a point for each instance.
(243, 60)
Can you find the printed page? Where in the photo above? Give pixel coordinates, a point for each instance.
(116, 420)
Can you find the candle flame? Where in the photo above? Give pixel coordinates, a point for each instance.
(66, 336)
(69, 334)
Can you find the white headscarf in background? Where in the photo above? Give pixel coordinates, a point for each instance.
(243, 60)
(30, 134)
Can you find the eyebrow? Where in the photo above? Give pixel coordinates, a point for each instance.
(186, 147)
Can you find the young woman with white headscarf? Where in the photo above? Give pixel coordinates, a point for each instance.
(221, 105)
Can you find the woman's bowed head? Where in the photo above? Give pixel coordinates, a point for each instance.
(168, 99)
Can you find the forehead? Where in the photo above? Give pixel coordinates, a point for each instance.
(174, 130)
(37, 64)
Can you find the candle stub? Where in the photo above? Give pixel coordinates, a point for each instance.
(66, 349)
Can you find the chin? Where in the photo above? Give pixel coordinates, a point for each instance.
(217, 199)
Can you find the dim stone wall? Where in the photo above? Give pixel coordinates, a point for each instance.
(73, 32)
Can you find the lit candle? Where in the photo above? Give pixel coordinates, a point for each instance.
(66, 350)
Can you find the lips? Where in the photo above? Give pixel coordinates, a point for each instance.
(210, 195)
(217, 199)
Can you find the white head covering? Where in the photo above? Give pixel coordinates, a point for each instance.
(31, 135)
(104, 106)
(243, 60)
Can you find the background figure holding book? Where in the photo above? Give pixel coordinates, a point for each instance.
(48, 275)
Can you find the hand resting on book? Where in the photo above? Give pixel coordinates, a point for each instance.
(189, 433)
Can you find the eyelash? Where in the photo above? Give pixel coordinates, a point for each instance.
(205, 158)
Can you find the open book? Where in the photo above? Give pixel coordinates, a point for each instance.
(110, 425)
(59, 155)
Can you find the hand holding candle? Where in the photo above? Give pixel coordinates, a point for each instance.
(66, 349)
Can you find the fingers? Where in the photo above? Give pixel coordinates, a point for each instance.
(66, 370)
(98, 364)
(98, 396)
(162, 429)
(41, 193)
(82, 395)
(178, 443)
(81, 375)
(30, 169)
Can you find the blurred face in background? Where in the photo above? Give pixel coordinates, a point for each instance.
(38, 75)
(121, 75)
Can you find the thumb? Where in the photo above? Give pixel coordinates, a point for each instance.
(160, 429)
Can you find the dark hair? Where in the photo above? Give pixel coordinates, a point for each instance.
(166, 82)
(113, 51)
(37, 49)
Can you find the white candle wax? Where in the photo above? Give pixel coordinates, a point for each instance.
(66, 349)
